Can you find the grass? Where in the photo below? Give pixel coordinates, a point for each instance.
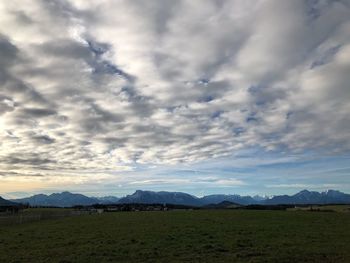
(36, 214)
(182, 236)
(334, 208)
(47, 210)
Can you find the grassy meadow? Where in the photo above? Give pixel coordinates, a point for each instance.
(182, 236)
(37, 214)
(326, 208)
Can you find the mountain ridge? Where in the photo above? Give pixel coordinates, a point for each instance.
(63, 199)
(66, 199)
(311, 197)
(176, 198)
(4, 202)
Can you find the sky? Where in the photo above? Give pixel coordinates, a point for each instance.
(220, 96)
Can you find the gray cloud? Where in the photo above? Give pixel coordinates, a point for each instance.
(8, 52)
(85, 85)
(26, 160)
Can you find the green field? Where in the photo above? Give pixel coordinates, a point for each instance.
(334, 208)
(182, 236)
(37, 214)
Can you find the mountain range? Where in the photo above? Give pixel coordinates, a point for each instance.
(67, 199)
(4, 202)
(311, 197)
(149, 197)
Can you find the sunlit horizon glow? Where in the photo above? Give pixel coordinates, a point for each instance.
(226, 96)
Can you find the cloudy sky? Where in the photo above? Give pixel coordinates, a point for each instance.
(106, 97)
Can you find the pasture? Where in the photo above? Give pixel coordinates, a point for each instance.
(182, 236)
(38, 214)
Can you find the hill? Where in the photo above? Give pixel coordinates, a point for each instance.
(150, 197)
(4, 202)
(108, 199)
(64, 199)
(215, 199)
(222, 205)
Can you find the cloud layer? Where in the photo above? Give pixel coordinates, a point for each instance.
(107, 85)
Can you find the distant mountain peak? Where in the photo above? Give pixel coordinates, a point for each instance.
(179, 198)
(40, 195)
(140, 196)
(311, 197)
(303, 192)
(63, 199)
(65, 193)
(329, 191)
(260, 197)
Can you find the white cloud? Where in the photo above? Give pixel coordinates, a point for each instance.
(100, 86)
